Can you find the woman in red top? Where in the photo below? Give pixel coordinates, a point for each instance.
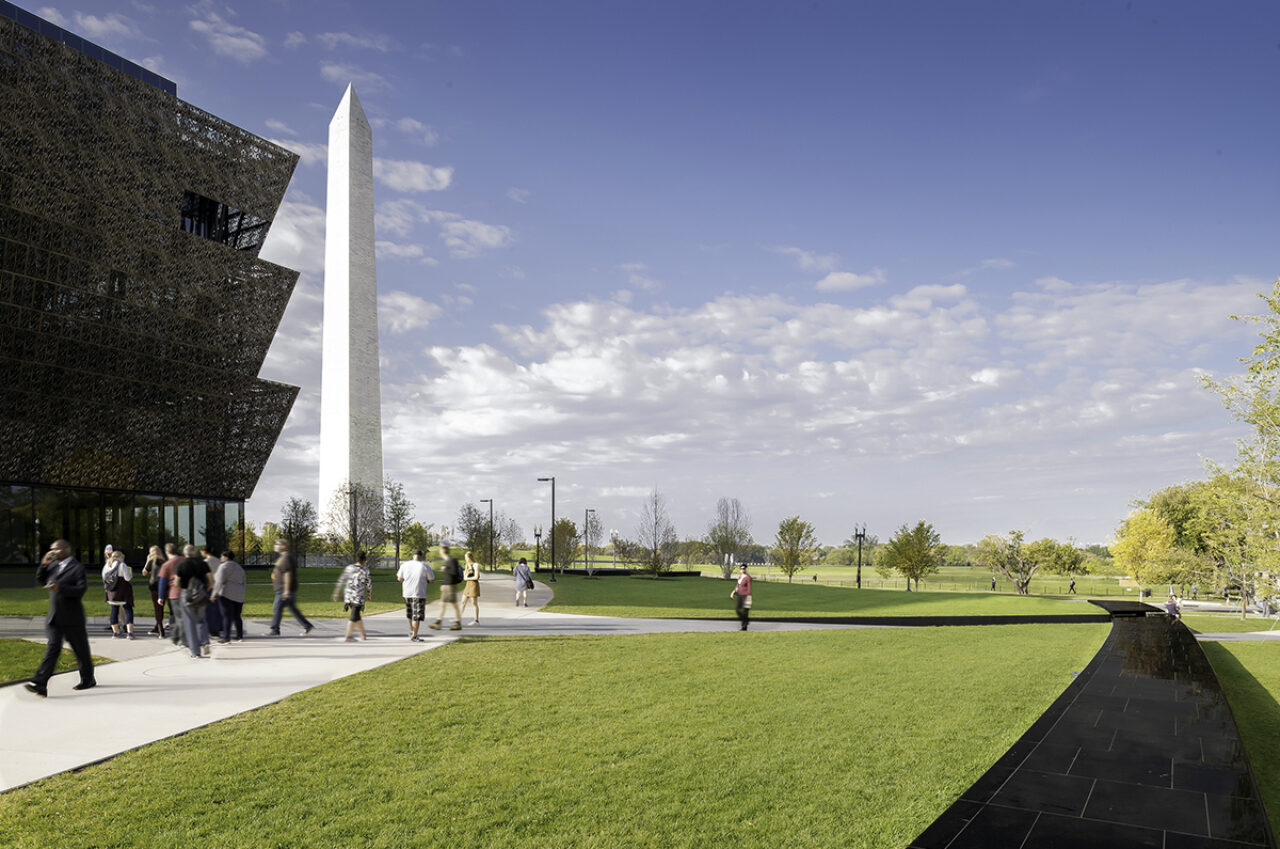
(742, 592)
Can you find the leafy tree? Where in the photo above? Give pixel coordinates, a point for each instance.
(398, 511)
(729, 533)
(565, 533)
(1058, 558)
(656, 535)
(418, 537)
(913, 552)
(244, 538)
(1143, 545)
(355, 518)
(270, 533)
(298, 524)
(1018, 561)
(473, 529)
(794, 545)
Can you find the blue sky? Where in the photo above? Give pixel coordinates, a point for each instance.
(865, 263)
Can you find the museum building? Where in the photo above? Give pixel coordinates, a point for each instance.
(134, 311)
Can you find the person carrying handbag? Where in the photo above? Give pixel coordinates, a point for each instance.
(742, 592)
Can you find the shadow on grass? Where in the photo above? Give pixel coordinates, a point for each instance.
(1257, 715)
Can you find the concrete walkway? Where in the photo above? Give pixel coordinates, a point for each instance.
(156, 690)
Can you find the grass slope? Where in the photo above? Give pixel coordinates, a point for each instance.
(840, 739)
(1250, 676)
(702, 598)
(19, 659)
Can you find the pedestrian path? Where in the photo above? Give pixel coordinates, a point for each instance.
(156, 690)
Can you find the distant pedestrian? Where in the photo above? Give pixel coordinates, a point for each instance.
(229, 593)
(524, 582)
(64, 578)
(151, 570)
(355, 586)
(1071, 587)
(414, 575)
(117, 581)
(742, 592)
(1173, 608)
(1195, 591)
(993, 583)
(471, 592)
(284, 580)
(451, 576)
(196, 586)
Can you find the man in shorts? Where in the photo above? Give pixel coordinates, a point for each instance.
(451, 578)
(414, 575)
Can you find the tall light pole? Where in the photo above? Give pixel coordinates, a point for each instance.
(613, 543)
(586, 538)
(489, 501)
(860, 534)
(553, 524)
(537, 551)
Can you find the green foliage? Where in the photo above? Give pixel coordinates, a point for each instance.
(398, 511)
(913, 552)
(565, 535)
(418, 537)
(298, 524)
(794, 545)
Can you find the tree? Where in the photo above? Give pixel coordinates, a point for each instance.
(1059, 558)
(270, 533)
(298, 524)
(1019, 562)
(473, 529)
(729, 533)
(592, 531)
(509, 537)
(913, 552)
(398, 510)
(418, 537)
(657, 535)
(794, 545)
(355, 518)
(1143, 545)
(565, 533)
(243, 537)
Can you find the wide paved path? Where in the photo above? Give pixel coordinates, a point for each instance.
(155, 690)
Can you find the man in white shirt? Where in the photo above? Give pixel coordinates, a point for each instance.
(414, 575)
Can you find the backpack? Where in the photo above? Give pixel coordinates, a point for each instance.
(196, 594)
(110, 579)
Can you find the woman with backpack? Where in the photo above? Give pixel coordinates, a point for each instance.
(195, 586)
(117, 580)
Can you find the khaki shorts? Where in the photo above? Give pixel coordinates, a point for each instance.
(449, 593)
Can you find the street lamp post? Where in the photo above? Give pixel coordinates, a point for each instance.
(553, 524)
(613, 543)
(860, 534)
(489, 501)
(586, 539)
(537, 551)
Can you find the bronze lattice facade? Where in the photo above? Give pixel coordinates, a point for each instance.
(134, 311)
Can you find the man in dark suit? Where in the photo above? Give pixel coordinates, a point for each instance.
(63, 576)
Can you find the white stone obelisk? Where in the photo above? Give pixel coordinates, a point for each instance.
(350, 399)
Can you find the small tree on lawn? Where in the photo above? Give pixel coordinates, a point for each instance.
(657, 535)
(729, 533)
(913, 552)
(418, 537)
(399, 513)
(794, 545)
(298, 524)
(1019, 562)
(355, 518)
(565, 534)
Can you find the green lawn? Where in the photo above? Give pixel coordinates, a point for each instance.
(1226, 623)
(19, 659)
(824, 739)
(950, 579)
(1250, 675)
(709, 598)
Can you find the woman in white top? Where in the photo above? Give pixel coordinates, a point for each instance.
(471, 593)
(117, 579)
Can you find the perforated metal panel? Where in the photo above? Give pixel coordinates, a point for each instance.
(129, 349)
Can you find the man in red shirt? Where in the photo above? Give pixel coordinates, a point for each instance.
(169, 578)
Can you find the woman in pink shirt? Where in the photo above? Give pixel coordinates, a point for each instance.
(742, 592)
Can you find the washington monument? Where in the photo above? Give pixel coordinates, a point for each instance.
(350, 399)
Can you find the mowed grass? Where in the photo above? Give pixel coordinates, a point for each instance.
(704, 598)
(19, 659)
(314, 599)
(951, 579)
(1226, 623)
(1250, 676)
(843, 739)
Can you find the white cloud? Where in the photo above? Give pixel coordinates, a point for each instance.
(342, 74)
(400, 312)
(280, 127)
(407, 176)
(296, 237)
(466, 237)
(519, 195)
(414, 127)
(846, 281)
(997, 262)
(333, 40)
(294, 39)
(392, 249)
(311, 153)
(808, 260)
(638, 277)
(230, 40)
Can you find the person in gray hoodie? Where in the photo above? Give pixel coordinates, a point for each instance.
(228, 592)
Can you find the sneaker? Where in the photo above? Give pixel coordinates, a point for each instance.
(222, 641)
(475, 621)
(206, 650)
(456, 626)
(115, 635)
(349, 640)
(238, 640)
(273, 633)
(32, 687)
(128, 636)
(308, 629)
(435, 626)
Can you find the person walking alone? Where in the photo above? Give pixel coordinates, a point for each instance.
(284, 580)
(452, 576)
(414, 575)
(355, 587)
(63, 576)
(524, 582)
(742, 592)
